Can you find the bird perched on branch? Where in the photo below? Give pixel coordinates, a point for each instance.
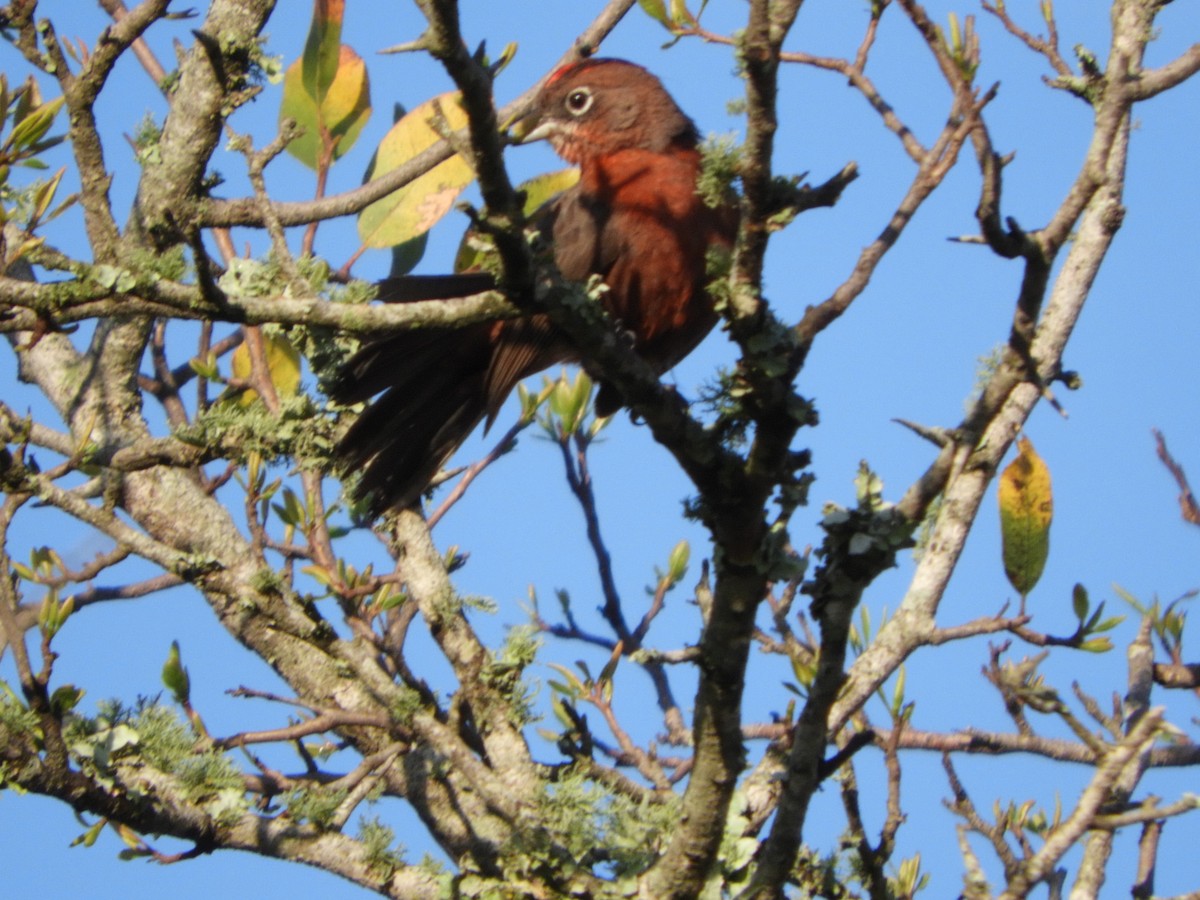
(634, 218)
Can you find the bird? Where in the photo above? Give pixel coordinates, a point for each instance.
(634, 218)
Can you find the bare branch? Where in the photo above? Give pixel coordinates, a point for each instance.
(1188, 507)
(1152, 82)
(1047, 46)
(1058, 842)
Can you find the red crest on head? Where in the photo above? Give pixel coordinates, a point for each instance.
(561, 71)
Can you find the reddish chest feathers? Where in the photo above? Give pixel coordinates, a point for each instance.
(653, 233)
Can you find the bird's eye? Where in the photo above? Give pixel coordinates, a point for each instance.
(579, 101)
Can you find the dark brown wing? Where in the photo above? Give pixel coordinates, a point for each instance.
(523, 347)
(430, 384)
(431, 388)
(575, 224)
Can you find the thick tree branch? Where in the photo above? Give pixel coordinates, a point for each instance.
(75, 301)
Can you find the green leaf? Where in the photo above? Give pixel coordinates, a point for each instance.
(569, 402)
(338, 114)
(419, 205)
(1079, 601)
(563, 710)
(865, 616)
(175, 676)
(955, 33)
(1106, 624)
(44, 195)
(405, 256)
(1134, 602)
(319, 574)
(898, 691)
(136, 846)
(388, 597)
(538, 191)
(53, 615)
(65, 698)
(205, 368)
(33, 127)
(805, 670)
(560, 687)
(1026, 510)
(680, 14)
(573, 686)
(657, 10)
(322, 47)
(88, 838)
(677, 562)
(610, 667)
(291, 512)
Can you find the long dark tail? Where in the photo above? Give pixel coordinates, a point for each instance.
(436, 385)
(433, 396)
(409, 288)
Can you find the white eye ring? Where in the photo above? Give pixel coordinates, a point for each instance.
(578, 101)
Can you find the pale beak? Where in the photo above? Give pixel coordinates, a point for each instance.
(540, 131)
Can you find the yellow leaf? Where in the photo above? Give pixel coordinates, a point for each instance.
(538, 191)
(341, 113)
(283, 363)
(416, 207)
(129, 836)
(1026, 509)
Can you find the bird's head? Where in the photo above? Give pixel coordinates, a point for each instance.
(600, 106)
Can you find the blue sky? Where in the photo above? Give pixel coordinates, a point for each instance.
(909, 348)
